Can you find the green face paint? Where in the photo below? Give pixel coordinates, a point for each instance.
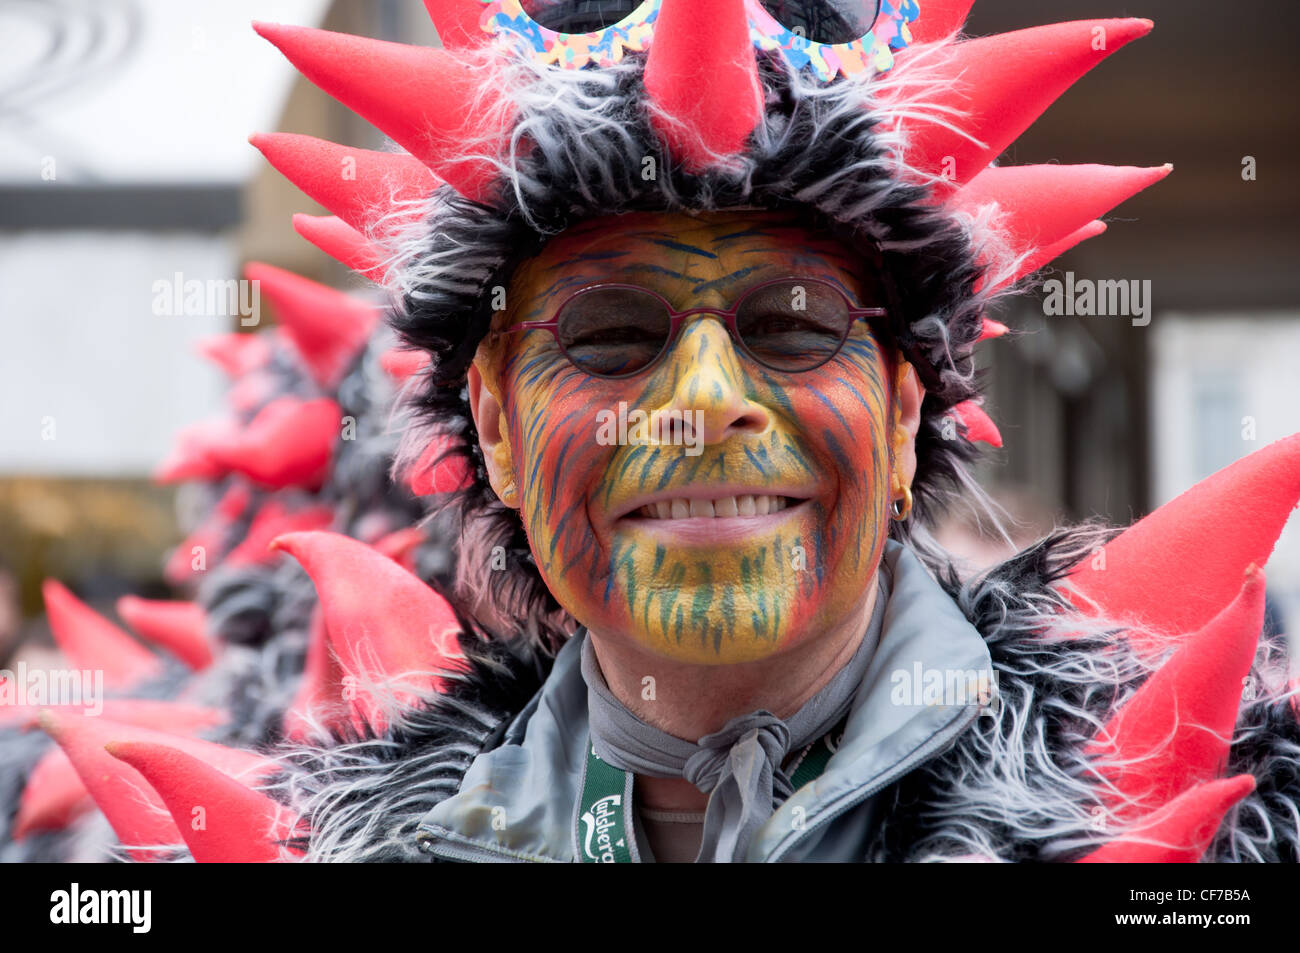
(783, 486)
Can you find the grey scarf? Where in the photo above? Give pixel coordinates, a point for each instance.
(738, 766)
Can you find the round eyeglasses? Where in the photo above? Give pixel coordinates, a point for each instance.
(785, 324)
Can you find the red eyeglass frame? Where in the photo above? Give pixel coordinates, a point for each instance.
(677, 318)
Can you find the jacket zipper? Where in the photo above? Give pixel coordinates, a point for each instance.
(440, 846)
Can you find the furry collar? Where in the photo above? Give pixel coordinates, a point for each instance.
(1015, 787)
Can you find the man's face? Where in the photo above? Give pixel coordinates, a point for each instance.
(775, 497)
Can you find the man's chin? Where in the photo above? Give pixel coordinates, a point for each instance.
(716, 648)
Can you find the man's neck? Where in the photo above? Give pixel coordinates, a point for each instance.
(690, 701)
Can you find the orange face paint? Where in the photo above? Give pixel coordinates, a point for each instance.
(709, 590)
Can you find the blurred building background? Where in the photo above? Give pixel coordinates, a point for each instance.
(123, 161)
(1100, 417)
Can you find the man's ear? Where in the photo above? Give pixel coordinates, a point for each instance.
(907, 422)
(489, 421)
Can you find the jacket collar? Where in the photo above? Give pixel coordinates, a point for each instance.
(516, 802)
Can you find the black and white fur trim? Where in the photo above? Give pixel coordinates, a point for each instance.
(364, 797)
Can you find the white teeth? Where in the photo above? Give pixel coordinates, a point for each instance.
(727, 506)
(701, 508)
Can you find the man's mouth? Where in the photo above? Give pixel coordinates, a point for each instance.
(740, 506)
(710, 516)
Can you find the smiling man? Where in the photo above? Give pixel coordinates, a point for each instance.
(743, 580)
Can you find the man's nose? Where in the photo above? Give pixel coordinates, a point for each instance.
(709, 396)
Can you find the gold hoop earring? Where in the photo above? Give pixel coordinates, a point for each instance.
(902, 512)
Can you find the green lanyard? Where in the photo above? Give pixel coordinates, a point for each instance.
(604, 813)
(603, 821)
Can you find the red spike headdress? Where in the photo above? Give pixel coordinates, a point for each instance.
(519, 130)
(1122, 731)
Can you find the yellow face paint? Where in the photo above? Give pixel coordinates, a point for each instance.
(717, 590)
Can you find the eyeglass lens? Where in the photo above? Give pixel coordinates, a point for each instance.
(789, 326)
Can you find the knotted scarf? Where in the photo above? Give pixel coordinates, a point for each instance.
(738, 766)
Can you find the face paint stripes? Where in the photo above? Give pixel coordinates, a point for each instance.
(731, 592)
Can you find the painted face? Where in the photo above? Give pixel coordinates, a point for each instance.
(756, 523)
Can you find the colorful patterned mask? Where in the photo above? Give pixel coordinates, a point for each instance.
(827, 37)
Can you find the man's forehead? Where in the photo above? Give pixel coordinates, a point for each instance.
(621, 240)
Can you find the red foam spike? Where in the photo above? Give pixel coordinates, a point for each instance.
(194, 456)
(343, 243)
(978, 425)
(179, 717)
(134, 810)
(429, 475)
(1045, 205)
(360, 186)
(178, 627)
(1180, 832)
(236, 354)
(207, 537)
(179, 570)
(1002, 84)
(413, 638)
(428, 101)
(54, 795)
(400, 546)
(1197, 546)
(222, 820)
(319, 698)
(1176, 729)
(288, 444)
(92, 642)
(1050, 253)
(701, 74)
(992, 329)
(272, 520)
(939, 19)
(234, 502)
(457, 22)
(250, 392)
(327, 326)
(180, 467)
(401, 363)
